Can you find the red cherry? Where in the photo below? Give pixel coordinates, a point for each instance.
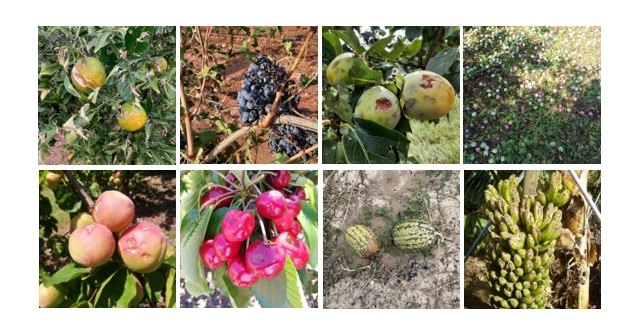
(225, 249)
(280, 180)
(295, 248)
(208, 255)
(271, 204)
(300, 193)
(214, 198)
(293, 205)
(238, 225)
(230, 179)
(265, 260)
(239, 274)
(287, 223)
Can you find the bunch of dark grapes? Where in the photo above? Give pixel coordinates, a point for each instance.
(289, 139)
(261, 82)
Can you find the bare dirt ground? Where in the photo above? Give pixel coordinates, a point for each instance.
(226, 47)
(393, 278)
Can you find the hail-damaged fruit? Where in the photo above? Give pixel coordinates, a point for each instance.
(88, 74)
(339, 70)
(362, 240)
(427, 95)
(132, 117)
(379, 105)
(143, 247)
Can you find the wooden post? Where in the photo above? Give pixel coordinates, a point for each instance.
(583, 291)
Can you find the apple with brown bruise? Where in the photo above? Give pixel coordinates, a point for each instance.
(143, 247)
(427, 96)
(379, 105)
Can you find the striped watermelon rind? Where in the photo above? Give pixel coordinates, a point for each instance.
(414, 235)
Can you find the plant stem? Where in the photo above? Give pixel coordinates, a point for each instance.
(80, 190)
(264, 231)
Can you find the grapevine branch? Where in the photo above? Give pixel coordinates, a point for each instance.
(268, 120)
(80, 190)
(276, 102)
(301, 153)
(187, 123)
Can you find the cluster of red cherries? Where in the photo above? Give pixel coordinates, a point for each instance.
(276, 208)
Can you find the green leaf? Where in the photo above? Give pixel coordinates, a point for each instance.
(137, 39)
(413, 32)
(353, 147)
(441, 62)
(331, 47)
(170, 288)
(283, 291)
(216, 221)
(154, 284)
(129, 292)
(336, 100)
(192, 269)
(308, 218)
(239, 296)
(350, 39)
(111, 289)
(374, 128)
(47, 70)
(412, 49)
(69, 87)
(362, 74)
(328, 151)
(66, 274)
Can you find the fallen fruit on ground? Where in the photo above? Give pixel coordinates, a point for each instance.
(92, 245)
(88, 74)
(362, 241)
(143, 247)
(427, 95)
(132, 117)
(114, 210)
(379, 105)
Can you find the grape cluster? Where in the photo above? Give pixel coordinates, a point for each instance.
(290, 140)
(261, 82)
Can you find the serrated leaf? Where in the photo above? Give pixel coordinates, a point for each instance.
(66, 274)
(69, 87)
(192, 269)
(283, 291)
